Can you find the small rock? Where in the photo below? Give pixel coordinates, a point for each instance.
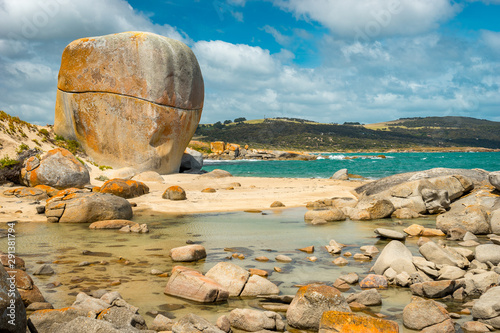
(468, 243)
(391, 234)
(340, 261)
(374, 281)
(277, 204)
(350, 278)
(162, 323)
(188, 253)
(262, 258)
(208, 190)
(309, 249)
(277, 269)
(44, 270)
(283, 258)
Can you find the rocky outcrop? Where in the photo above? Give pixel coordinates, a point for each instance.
(124, 188)
(87, 207)
(131, 99)
(30, 193)
(58, 168)
(336, 321)
(310, 302)
(472, 218)
(190, 284)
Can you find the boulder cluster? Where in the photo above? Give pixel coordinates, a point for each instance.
(232, 151)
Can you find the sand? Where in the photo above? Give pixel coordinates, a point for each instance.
(255, 193)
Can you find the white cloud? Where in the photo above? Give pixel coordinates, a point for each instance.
(368, 19)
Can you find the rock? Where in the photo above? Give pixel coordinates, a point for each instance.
(342, 174)
(473, 218)
(367, 297)
(433, 289)
(369, 250)
(469, 243)
(430, 232)
(148, 176)
(39, 306)
(44, 270)
(87, 303)
(259, 272)
(58, 168)
(403, 279)
(259, 286)
(405, 214)
(469, 236)
(30, 193)
(436, 201)
(253, 320)
(488, 252)
(111, 224)
(190, 284)
(421, 313)
(390, 253)
(447, 326)
(372, 209)
(333, 247)
(208, 190)
(318, 221)
(340, 261)
(30, 296)
(329, 215)
(48, 189)
(12, 308)
(46, 321)
(494, 179)
(350, 278)
(308, 249)
(174, 193)
(84, 325)
(192, 161)
(400, 265)
(414, 230)
(477, 284)
(391, 234)
(341, 285)
(87, 207)
(456, 233)
(216, 173)
(374, 281)
(232, 277)
(188, 253)
(438, 255)
(193, 323)
(336, 321)
(495, 222)
(428, 267)
(488, 305)
(277, 204)
(124, 188)
(131, 99)
(310, 302)
(474, 327)
(283, 258)
(123, 319)
(450, 273)
(224, 324)
(217, 147)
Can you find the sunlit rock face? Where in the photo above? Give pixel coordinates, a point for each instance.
(131, 99)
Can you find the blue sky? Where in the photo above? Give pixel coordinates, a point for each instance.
(324, 60)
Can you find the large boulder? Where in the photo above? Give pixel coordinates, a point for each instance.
(421, 313)
(131, 99)
(472, 218)
(487, 307)
(58, 168)
(310, 302)
(488, 252)
(494, 179)
(336, 321)
(371, 209)
(12, 309)
(124, 188)
(259, 286)
(442, 256)
(87, 207)
(393, 251)
(232, 277)
(190, 284)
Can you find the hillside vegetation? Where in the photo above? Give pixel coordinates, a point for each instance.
(409, 133)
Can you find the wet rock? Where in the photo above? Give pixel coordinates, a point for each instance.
(174, 193)
(367, 297)
(336, 321)
(369, 250)
(391, 234)
(259, 286)
(431, 232)
(374, 281)
(12, 308)
(350, 278)
(329, 215)
(340, 261)
(87, 207)
(334, 247)
(474, 327)
(310, 302)
(44, 270)
(391, 252)
(111, 224)
(254, 320)
(488, 252)
(192, 323)
(473, 218)
(58, 168)
(190, 284)
(124, 188)
(421, 313)
(232, 277)
(318, 221)
(434, 289)
(88, 303)
(188, 253)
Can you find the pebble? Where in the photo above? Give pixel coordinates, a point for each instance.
(262, 258)
(277, 269)
(283, 258)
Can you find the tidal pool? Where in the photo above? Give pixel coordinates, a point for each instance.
(131, 257)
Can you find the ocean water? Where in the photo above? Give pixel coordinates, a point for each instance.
(367, 164)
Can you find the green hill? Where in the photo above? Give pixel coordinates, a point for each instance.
(292, 133)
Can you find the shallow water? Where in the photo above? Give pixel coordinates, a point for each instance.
(267, 234)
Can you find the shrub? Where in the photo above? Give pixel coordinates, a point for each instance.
(43, 132)
(22, 148)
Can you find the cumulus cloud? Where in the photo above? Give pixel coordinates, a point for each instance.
(367, 19)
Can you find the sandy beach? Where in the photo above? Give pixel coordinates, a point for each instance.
(255, 193)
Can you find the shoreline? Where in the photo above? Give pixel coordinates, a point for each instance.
(255, 193)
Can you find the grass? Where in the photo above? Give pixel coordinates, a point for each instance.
(7, 162)
(22, 147)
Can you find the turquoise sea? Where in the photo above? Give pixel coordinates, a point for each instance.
(367, 165)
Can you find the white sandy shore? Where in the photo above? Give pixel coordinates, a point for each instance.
(254, 193)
